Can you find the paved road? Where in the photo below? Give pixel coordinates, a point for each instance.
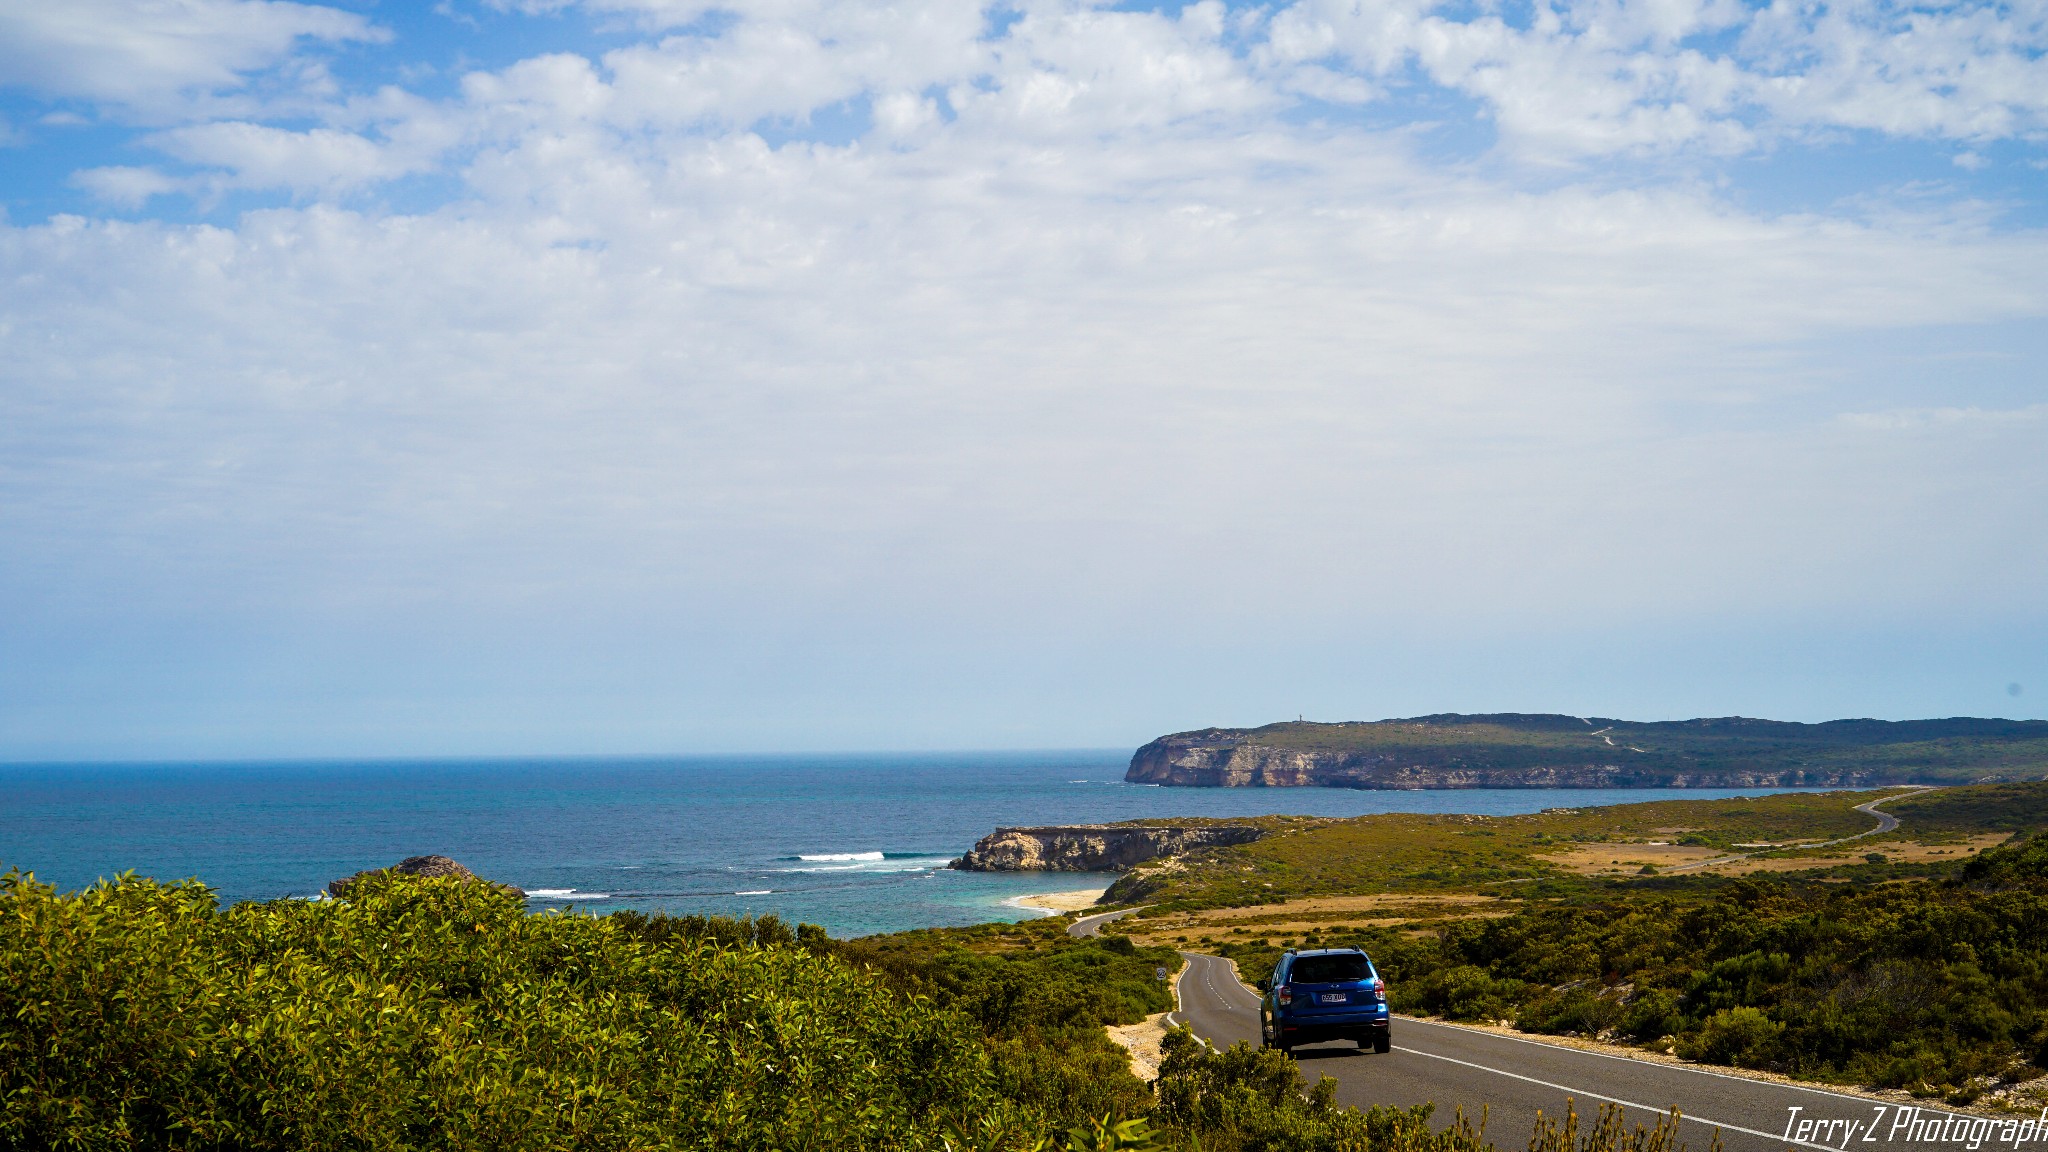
(1885, 820)
(1885, 823)
(1513, 1078)
(1092, 925)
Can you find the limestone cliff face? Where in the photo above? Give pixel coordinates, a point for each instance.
(1226, 758)
(1092, 847)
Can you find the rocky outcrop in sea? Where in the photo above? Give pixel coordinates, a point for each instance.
(1094, 847)
(428, 867)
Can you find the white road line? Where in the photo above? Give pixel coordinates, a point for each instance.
(1630, 1060)
(1625, 1103)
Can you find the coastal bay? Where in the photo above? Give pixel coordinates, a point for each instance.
(857, 844)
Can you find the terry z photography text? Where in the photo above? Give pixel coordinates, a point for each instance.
(1912, 1125)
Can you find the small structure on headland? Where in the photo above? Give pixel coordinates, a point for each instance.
(429, 867)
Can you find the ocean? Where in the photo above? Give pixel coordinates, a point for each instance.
(855, 843)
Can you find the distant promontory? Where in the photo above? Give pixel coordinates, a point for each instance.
(1514, 750)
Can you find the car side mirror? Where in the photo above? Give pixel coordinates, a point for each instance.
(1265, 985)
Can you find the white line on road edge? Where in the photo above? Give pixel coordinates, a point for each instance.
(1548, 1046)
(1624, 1103)
(1186, 967)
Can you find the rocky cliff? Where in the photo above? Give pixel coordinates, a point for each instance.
(1093, 847)
(1541, 751)
(1249, 765)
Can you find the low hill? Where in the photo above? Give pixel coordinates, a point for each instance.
(1513, 750)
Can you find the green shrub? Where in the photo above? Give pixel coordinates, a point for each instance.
(1740, 1036)
(1651, 1015)
(1581, 1011)
(1466, 992)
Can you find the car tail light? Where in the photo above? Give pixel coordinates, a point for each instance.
(1286, 994)
(1379, 988)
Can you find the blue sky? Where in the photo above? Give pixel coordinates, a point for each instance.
(646, 375)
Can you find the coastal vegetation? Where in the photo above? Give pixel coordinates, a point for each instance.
(433, 1013)
(437, 1013)
(1416, 853)
(429, 1013)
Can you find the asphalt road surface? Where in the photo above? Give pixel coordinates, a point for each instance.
(1512, 1079)
(1092, 925)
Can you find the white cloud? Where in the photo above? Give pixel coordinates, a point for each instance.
(1087, 347)
(147, 55)
(128, 187)
(1941, 419)
(316, 160)
(825, 423)
(1595, 77)
(1583, 79)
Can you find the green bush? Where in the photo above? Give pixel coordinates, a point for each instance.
(1652, 1015)
(1740, 1036)
(1573, 1011)
(1466, 992)
(438, 1014)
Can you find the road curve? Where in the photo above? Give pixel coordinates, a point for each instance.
(1885, 823)
(1510, 1079)
(1885, 820)
(1092, 925)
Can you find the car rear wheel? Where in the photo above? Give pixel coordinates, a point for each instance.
(1382, 1043)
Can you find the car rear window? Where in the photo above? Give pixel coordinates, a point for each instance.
(1327, 969)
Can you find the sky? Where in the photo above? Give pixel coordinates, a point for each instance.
(519, 377)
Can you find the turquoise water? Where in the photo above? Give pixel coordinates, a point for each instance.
(855, 843)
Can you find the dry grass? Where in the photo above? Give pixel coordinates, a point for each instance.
(1915, 852)
(1347, 905)
(1598, 859)
(1295, 918)
(1617, 859)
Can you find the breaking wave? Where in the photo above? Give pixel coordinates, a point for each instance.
(864, 862)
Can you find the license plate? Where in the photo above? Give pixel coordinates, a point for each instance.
(1333, 997)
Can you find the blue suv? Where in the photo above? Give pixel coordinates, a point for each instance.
(1324, 994)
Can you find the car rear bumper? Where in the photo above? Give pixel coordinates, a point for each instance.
(1314, 1029)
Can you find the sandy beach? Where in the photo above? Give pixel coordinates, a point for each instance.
(1054, 903)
